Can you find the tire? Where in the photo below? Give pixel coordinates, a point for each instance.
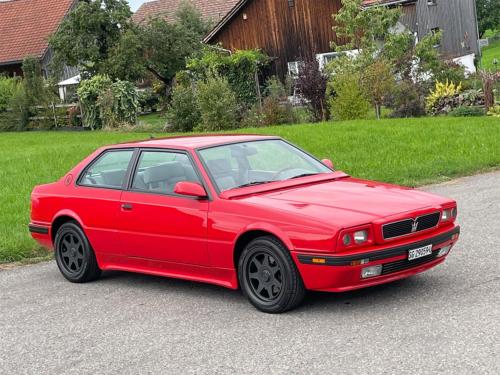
(74, 255)
(268, 276)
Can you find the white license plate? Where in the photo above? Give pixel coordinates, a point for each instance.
(420, 252)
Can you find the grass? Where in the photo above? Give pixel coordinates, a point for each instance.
(408, 152)
(489, 54)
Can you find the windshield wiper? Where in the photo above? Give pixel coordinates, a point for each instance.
(253, 183)
(303, 175)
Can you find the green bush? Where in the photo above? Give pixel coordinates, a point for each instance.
(183, 113)
(108, 104)
(218, 104)
(349, 101)
(88, 92)
(276, 108)
(8, 88)
(407, 100)
(465, 111)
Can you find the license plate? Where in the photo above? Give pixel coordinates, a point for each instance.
(420, 252)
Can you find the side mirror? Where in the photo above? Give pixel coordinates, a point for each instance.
(328, 163)
(191, 189)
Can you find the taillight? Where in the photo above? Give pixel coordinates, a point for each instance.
(355, 237)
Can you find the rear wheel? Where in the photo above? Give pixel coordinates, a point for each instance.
(268, 276)
(74, 255)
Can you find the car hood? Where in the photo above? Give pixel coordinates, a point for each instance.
(347, 201)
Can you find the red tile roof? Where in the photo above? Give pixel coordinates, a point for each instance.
(210, 9)
(26, 25)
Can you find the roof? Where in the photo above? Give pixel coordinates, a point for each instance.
(195, 142)
(26, 25)
(210, 9)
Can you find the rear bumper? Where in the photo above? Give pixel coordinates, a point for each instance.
(41, 233)
(343, 273)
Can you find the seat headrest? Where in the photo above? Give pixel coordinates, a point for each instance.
(163, 172)
(219, 166)
(113, 177)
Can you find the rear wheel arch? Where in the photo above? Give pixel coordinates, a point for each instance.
(60, 221)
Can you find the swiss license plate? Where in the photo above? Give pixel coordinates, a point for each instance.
(420, 252)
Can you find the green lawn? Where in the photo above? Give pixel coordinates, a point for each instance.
(409, 152)
(489, 53)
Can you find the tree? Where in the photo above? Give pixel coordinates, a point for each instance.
(168, 45)
(312, 85)
(84, 39)
(363, 28)
(378, 83)
(488, 15)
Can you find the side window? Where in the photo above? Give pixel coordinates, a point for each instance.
(160, 171)
(109, 170)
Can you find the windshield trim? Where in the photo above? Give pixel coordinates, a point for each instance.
(270, 138)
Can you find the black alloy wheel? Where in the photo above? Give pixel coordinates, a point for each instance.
(268, 276)
(74, 255)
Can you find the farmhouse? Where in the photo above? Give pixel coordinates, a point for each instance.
(291, 30)
(25, 28)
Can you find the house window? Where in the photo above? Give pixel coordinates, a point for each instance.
(431, 2)
(291, 3)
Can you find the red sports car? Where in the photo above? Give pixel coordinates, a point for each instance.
(248, 211)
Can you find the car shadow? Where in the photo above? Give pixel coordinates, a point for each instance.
(381, 296)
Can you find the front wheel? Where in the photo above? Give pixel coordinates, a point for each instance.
(74, 255)
(268, 276)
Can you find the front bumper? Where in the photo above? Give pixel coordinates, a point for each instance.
(339, 273)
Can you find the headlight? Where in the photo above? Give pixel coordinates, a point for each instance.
(360, 236)
(449, 214)
(354, 237)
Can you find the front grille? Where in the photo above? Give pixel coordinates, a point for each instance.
(405, 227)
(405, 264)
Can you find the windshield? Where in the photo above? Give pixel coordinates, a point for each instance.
(258, 162)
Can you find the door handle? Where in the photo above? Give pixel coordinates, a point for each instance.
(127, 207)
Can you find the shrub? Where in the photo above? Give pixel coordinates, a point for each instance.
(276, 108)
(218, 105)
(450, 71)
(378, 83)
(8, 88)
(443, 98)
(465, 111)
(149, 100)
(183, 113)
(240, 68)
(312, 84)
(88, 92)
(349, 102)
(494, 111)
(407, 100)
(108, 104)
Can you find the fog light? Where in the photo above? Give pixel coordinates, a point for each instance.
(444, 251)
(371, 271)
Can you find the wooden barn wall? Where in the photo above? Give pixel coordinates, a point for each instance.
(287, 33)
(409, 17)
(456, 19)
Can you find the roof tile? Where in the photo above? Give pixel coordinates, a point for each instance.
(26, 25)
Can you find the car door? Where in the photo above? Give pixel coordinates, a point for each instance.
(97, 197)
(157, 224)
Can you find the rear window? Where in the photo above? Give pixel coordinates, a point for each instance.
(108, 171)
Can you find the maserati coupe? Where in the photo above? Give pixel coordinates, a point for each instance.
(239, 211)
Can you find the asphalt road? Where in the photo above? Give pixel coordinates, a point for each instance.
(444, 321)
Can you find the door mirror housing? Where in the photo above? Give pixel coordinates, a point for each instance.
(328, 163)
(190, 189)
